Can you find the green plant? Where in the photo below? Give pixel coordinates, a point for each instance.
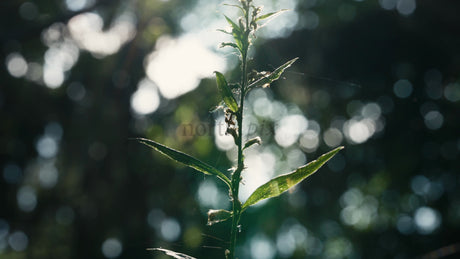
(242, 32)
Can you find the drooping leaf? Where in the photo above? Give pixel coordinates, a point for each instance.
(282, 183)
(270, 15)
(228, 44)
(172, 253)
(216, 216)
(252, 141)
(227, 94)
(273, 76)
(185, 159)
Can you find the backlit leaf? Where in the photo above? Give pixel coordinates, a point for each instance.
(216, 216)
(185, 159)
(270, 15)
(252, 141)
(237, 6)
(228, 44)
(282, 183)
(224, 31)
(237, 33)
(273, 76)
(172, 253)
(233, 24)
(227, 94)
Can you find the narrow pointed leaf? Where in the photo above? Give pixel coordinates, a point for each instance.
(252, 141)
(185, 159)
(273, 76)
(237, 6)
(216, 216)
(227, 94)
(228, 44)
(282, 183)
(237, 33)
(224, 31)
(172, 253)
(270, 15)
(233, 24)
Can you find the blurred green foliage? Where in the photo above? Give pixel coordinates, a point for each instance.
(74, 186)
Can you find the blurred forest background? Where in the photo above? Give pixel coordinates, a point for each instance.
(79, 78)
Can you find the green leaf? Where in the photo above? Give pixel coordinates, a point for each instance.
(227, 95)
(233, 24)
(252, 141)
(216, 216)
(172, 253)
(237, 33)
(273, 76)
(268, 15)
(228, 44)
(185, 159)
(237, 6)
(282, 183)
(224, 31)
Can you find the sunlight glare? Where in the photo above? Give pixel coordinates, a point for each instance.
(292, 236)
(209, 195)
(178, 65)
(402, 88)
(145, 100)
(405, 224)
(388, 4)
(452, 92)
(262, 247)
(87, 30)
(223, 141)
(285, 23)
(47, 147)
(4, 228)
(16, 64)
(427, 220)
(60, 57)
(295, 158)
(26, 198)
(359, 131)
(332, 137)
(77, 5)
(406, 7)
(53, 76)
(170, 229)
(260, 170)
(112, 248)
(18, 241)
(434, 120)
(48, 175)
(154, 218)
(309, 141)
(289, 128)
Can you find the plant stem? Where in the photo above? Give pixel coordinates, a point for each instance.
(236, 177)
